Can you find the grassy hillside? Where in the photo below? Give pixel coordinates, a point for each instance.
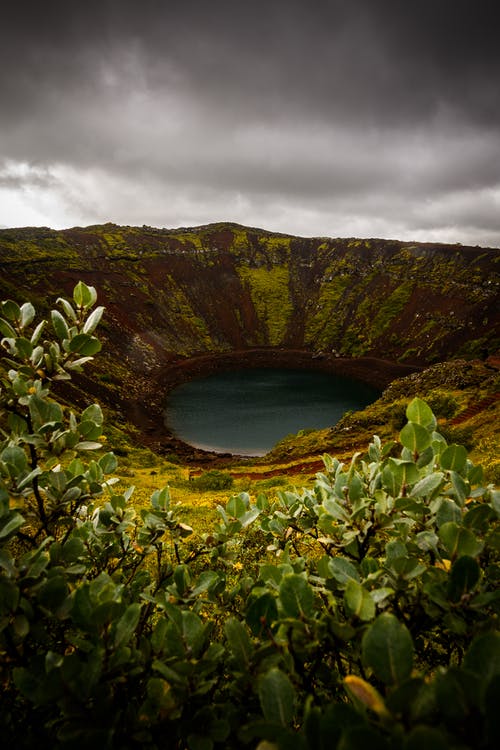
(188, 301)
(225, 287)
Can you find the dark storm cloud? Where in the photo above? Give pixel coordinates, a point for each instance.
(329, 114)
(388, 60)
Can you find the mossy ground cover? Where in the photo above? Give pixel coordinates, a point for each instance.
(146, 471)
(269, 290)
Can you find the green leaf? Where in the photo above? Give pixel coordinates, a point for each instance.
(419, 412)
(68, 309)
(28, 478)
(84, 344)
(44, 412)
(77, 364)
(239, 642)
(93, 413)
(160, 499)
(461, 488)
(108, 463)
(83, 295)
(415, 437)
(72, 549)
(249, 517)
(24, 347)
(454, 458)
(36, 357)
(355, 488)
(387, 649)
(127, 624)
(27, 314)
(237, 505)
(475, 475)
(158, 635)
(483, 659)
(16, 460)
(35, 336)
(448, 511)
(60, 325)
(427, 540)
(296, 596)
(464, 575)
(380, 595)
(334, 509)
(182, 578)
(262, 612)
(208, 578)
(9, 596)
(358, 601)
(426, 457)
(28, 684)
(391, 480)
(93, 320)
(11, 310)
(495, 501)
(429, 486)
(6, 329)
(54, 593)
(21, 626)
(398, 473)
(410, 506)
(277, 697)
(479, 518)
(459, 541)
(342, 570)
(11, 524)
(193, 632)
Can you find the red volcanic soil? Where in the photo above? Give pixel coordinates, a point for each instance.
(171, 296)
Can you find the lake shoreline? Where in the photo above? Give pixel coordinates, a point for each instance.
(374, 371)
(147, 412)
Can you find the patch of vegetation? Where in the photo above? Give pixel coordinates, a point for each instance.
(214, 479)
(362, 611)
(324, 326)
(390, 309)
(270, 293)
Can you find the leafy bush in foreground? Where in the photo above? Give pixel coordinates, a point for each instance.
(365, 613)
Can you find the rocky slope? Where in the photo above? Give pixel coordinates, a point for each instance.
(180, 302)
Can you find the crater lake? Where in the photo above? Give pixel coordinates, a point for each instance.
(246, 412)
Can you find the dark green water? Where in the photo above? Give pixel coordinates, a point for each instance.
(248, 411)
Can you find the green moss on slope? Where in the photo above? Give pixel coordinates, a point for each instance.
(324, 326)
(269, 291)
(390, 309)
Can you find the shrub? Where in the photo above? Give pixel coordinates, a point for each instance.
(369, 617)
(213, 480)
(442, 403)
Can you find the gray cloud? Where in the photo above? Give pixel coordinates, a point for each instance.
(338, 117)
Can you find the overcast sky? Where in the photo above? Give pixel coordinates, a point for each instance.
(369, 118)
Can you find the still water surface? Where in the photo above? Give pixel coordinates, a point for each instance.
(248, 411)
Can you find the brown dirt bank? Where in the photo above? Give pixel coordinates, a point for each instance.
(146, 412)
(376, 372)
